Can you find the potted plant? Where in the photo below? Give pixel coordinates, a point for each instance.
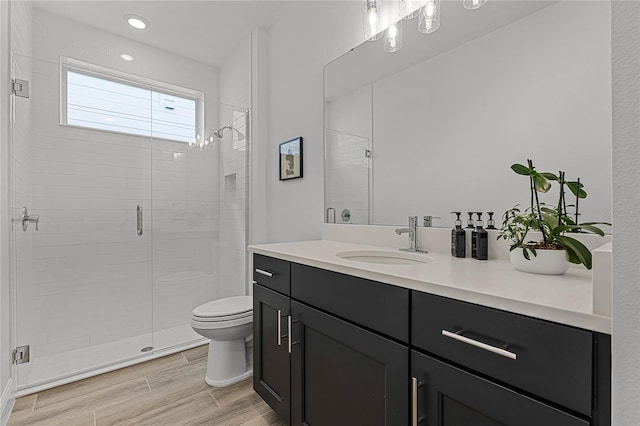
(552, 254)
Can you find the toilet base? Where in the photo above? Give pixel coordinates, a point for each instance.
(226, 362)
(228, 382)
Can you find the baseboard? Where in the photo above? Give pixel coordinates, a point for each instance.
(7, 400)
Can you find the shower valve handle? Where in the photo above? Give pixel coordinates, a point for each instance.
(25, 219)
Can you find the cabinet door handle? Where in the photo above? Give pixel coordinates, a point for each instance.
(289, 333)
(459, 337)
(279, 327)
(414, 401)
(263, 272)
(139, 220)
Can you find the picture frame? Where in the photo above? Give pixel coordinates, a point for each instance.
(290, 154)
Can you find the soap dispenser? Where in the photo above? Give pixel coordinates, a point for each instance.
(479, 240)
(458, 238)
(491, 224)
(470, 220)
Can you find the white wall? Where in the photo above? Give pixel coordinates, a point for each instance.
(311, 35)
(626, 209)
(537, 88)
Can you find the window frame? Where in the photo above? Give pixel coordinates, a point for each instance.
(97, 71)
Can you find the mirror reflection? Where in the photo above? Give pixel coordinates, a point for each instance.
(435, 127)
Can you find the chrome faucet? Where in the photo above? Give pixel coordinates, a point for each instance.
(411, 230)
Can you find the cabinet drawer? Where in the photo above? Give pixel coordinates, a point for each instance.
(547, 359)
(446, 395)
(379, 307)
(272, 273)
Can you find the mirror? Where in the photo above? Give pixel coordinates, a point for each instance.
(435, 127)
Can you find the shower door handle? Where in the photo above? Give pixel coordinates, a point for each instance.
(139, 219)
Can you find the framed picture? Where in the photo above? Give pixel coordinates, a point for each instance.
(291, 159)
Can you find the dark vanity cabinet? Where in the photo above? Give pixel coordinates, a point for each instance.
(333, 349)
(271, 312)
(474, 365)
(350, 356)
(330, 349)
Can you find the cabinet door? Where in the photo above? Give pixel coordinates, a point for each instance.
(271, 359)
(447, 396)
(344, 375)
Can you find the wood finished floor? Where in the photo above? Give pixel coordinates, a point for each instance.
(166, 391)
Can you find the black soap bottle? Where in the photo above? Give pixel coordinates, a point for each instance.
(458, 238)
(480, 241)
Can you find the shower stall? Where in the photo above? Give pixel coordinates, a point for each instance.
(116, 237)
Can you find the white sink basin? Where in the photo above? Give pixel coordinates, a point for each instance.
(385, 257)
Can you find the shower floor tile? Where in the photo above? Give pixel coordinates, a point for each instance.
(166, 391)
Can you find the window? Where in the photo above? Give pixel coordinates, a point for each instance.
(101, 99)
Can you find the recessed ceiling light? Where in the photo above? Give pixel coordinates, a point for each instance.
(126, 57)
(136, 21)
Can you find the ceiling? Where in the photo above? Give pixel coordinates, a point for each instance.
(206, 31)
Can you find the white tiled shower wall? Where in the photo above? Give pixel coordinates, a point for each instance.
(93, 275)
(347, 168)
(347, 177)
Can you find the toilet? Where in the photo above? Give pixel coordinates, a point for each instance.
(228, 323)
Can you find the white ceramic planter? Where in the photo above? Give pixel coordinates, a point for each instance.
(547, 262)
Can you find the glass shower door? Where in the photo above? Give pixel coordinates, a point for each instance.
(199, 222)
(81, 269)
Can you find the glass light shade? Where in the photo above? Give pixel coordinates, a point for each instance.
(372, 25)
(410, 8)
(429, 20)
(393, 38)
(473, 4)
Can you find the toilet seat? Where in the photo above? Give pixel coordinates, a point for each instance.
(227, 309)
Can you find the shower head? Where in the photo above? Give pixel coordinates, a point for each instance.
(220, 132)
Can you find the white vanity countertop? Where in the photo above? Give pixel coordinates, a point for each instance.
(565, 299)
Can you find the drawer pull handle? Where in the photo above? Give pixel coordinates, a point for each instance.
(263, 272)
(477, 344)
(414, 401)
(279, 327)
(289, 332)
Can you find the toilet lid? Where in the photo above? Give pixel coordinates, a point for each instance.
(230, 307)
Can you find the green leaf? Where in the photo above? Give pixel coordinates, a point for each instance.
(577, 191)
(595, 223)
(525, 253)
(576, 250)
(521, 169)
(572, 257)
(591, 228)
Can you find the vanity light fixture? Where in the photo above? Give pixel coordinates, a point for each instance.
(136, 21)
(473, 4)
(393, 38)
(200, 142)
(411, 8)
(429, 20)
(372, 20)
(126, 57)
